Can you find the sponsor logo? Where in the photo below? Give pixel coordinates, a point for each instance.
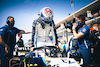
(47, 11)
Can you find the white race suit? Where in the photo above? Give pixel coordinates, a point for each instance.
(40, 34)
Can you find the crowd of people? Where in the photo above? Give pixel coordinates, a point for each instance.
(41, 29)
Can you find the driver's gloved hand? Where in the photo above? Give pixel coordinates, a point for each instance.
(56, 45)
(32, 49)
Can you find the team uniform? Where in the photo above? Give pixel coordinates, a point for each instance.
(84, 44)
(9, 37)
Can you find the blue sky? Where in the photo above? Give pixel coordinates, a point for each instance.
(26, 11)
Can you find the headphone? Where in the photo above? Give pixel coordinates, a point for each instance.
(8, 18)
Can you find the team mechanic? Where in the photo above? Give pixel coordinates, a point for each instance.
(8, 40)
(42, 28)
(83, 38)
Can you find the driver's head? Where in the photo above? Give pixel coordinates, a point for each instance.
(46, 15)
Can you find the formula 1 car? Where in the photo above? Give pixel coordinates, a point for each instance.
(33, 59)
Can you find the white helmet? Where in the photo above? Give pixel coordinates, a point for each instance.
(46, 15)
